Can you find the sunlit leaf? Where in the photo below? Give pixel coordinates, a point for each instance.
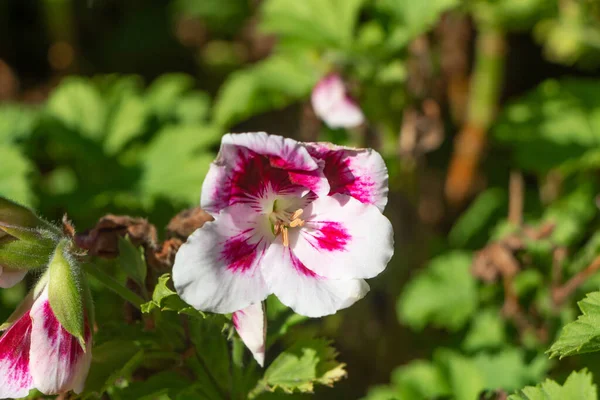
(579, 385)
(302, 366)
(444, 294)
(555, 125)
(77, 104)
(582, 335)
(331, 22)
(14, 176)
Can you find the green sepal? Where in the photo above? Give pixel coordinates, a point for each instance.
(20, 254)
(65, 291)
(13, 214)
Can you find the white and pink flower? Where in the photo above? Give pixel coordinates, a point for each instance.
(301, 221)
(37, 352)
(332, 103)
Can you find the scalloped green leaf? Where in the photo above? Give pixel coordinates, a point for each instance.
(579, 385)
(583, 335)
(443, 295)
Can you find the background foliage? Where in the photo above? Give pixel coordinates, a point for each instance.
(119, 107)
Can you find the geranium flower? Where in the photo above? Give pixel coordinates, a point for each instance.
(37, 352)
(282, 227)
(332, 103)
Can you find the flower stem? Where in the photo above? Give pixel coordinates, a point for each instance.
(113, 285)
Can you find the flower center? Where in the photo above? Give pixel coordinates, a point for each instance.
(282, 221)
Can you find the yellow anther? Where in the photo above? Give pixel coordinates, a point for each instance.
(296, 222)
(296, 214)
(285, 237)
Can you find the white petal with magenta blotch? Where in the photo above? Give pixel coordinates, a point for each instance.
(343, 238)
(217, 269)
(303, 290)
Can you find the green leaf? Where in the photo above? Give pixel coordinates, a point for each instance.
(582, 335)
(220, 15)
(131, 260)
(126, 123)
(487, 331)
(420, 380)
(281, 318)
(14, 175)
(178, 174)
(443, 295)
(210, 340)
(163, 95)
(22, 254)
(412, 18)
(472, 222)
(165, 299)
(462, 375)
(193, 108)
(270, 84)
(572, 214)
(559, 122)
(111, 361)
(507, 369)
(163, 385)
(385, 393)
(579, 385)
(332, 22)
(78, 105)
(303, 365)
(16, 122)
(15, 214)
(64, 291)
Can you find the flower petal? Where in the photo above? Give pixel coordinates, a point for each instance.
(250, 164)
(15, 377)
(217, 270)
(303, 290)
(334, 106)
(343, 238)
(10, 277)
(251, 325)
(57, 360)
(360, 173)
(284, 153)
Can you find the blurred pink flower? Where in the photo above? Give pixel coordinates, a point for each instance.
(332, 103)
(37, 352)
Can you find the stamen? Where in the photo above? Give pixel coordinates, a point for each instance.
(276, 228)
(296, 214)
(285, 237)
(296, 222)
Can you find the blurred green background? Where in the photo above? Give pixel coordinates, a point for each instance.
(111, 106)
